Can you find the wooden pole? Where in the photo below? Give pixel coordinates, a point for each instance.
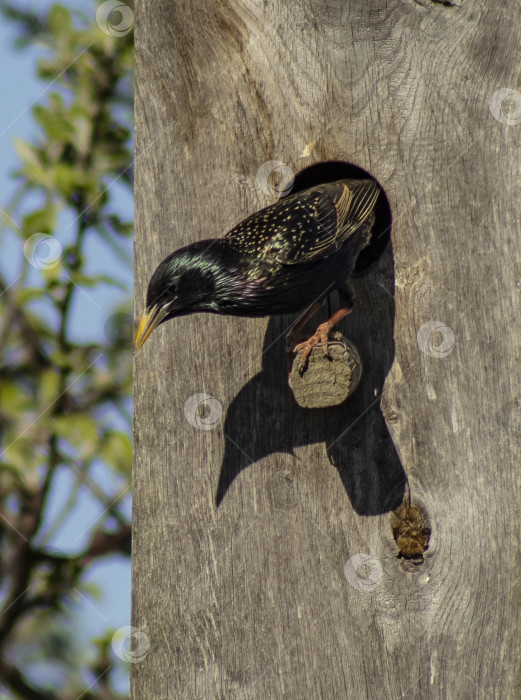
(291, 587)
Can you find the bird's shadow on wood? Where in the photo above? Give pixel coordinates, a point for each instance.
(355, 433)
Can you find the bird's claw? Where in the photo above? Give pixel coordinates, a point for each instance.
(320, 336)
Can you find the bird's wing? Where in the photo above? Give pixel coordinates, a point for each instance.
(317, 222)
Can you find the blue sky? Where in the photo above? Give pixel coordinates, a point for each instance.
(20, 89)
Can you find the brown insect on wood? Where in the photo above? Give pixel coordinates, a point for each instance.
(410, 532)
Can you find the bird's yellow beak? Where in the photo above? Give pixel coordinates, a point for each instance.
(150, 319)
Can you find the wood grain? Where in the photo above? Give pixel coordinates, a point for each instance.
(291, 586)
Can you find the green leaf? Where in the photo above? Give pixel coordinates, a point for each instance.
(68, 179)
(59, 20)
(24, 150)
(55, 123)
(40, 221)
(52, 274)
(124, 228)
(33, 167)
(20, 453)
(116, 451)
(10, 477)
(49, 387)
(13, 400)
(25, 295)
(80, 431)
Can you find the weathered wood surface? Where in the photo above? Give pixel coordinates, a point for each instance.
(259, 597)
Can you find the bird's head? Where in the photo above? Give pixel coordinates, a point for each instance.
(183, 283)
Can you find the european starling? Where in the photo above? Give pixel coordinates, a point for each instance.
(280, 260)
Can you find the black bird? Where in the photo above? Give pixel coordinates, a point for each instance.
(282, 259)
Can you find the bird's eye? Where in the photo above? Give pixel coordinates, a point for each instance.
(170, 290)
(167, 294)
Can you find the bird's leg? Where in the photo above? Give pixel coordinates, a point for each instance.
(322, 332)
(320, 336)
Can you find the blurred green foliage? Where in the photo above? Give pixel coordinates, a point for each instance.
(64, 403)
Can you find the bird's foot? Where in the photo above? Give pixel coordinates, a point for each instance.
(290, 353)
(294, 337)
(319, 336)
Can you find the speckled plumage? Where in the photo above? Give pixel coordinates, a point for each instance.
(308, 225)
(278, 260)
